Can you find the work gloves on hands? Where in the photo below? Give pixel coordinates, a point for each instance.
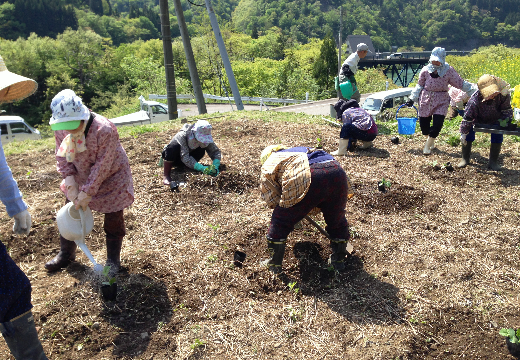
(345, 70)
(82, 200)
(208, 170)
(409, 103)
(463, 139)
(22, 223)
(72, 188)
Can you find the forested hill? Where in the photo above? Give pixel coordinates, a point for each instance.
(456, 24)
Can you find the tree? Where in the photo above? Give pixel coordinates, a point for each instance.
(326, 65)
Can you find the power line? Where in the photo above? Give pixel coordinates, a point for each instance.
(195, 4)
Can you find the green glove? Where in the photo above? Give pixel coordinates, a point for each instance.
(503, 122)
(199, 167)
(216, 163)
(211, 170)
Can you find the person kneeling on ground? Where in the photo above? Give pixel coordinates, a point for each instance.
(188, 146)
(358, 124)
(95, 171)
(295, 181)
(490, 104)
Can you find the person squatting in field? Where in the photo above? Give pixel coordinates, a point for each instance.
(431, 92)
(358, 126)
(95, 172)
(295, 181)
(190, 145)
(16, 320)
(490, 105)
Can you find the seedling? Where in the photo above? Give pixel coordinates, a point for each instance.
(196, 344)
(514, 337)
(386, 183)
(109, 280)
(211, 170)
(293, 287)
(319, 145)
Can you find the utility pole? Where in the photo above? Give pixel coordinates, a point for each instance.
(340, 43)
(190, 59)
(171, 94)
(224, 56)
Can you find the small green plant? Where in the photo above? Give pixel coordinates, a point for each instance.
(292, 286)
(196, 344)
(386, 183)
(319, 145)
(434, 163)
(28, 173)
(453, 140)
(212, 258)
(514, 337)
(109, 280)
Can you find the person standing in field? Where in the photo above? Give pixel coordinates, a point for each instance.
(16, 319)
(350, 67)
(431, 92)
(95, 172)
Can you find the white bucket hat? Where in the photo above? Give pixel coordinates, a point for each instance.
(18, 87)
(67, 111)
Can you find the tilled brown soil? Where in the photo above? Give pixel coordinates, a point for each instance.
(435, 272)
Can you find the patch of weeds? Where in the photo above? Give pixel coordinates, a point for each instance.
(453, 140)
(196, 344)
(212, 258)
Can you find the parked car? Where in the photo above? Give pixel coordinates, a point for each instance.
(394, 56)
(377, 102)
(150, 112)
(14, 128)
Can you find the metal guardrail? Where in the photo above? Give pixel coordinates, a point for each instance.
(244, 98)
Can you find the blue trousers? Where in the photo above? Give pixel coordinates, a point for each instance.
(15, 288)
(495, 138)
(349, 131)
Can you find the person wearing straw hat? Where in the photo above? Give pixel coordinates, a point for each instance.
(188, 146)
(295, 181)
(491, 105)
(350, 67)
(95, 171)
(16, 320)
(431, 92)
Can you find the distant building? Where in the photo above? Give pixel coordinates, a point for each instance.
(353, 40)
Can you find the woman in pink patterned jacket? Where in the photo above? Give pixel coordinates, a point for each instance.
(95, 171)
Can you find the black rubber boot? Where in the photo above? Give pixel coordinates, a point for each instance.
(114, 245)
(276, 248)
(22, 339)
(66, 255)
(167, 170)
(339, 251)
(494, 151)
(466, 153)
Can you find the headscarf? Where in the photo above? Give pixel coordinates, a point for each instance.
(438, 54)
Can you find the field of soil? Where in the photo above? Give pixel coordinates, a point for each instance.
(435, 272)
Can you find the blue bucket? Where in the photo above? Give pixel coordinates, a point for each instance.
(406, 126)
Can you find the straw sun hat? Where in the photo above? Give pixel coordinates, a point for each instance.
(14, 87)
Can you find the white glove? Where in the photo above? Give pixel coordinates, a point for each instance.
(463, 139)
(72, 188)
(22, 223)
(82, 201)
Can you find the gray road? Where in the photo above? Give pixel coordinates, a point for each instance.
(321, 107)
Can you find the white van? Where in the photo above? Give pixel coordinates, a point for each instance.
(14, 128)
(377, 102)
(156, 111)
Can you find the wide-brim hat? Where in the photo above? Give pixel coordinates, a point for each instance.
(67, 111)
(487, 85)
(19, 87)
(202, 132)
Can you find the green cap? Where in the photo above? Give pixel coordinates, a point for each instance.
(66, 125)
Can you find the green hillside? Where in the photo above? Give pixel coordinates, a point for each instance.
(455, 24)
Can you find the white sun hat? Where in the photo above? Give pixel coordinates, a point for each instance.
(13, 86)
(67, 111)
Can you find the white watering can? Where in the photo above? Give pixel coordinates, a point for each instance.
(74, 225)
